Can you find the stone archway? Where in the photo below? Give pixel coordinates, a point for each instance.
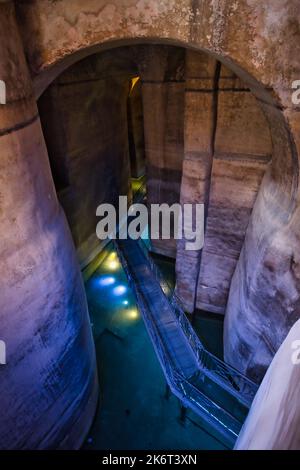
(264, 296)
(251, 51)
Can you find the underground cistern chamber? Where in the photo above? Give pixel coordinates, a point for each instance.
(149, 292)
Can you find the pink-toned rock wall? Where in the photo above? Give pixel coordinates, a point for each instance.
(84, 117)
(227, 147)
(263, 302)
(199, 128)
(49, 384)
(162, 70)
(242, 150)
(260, 42)
(273, 419)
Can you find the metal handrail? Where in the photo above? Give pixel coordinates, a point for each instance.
(210, 368)
(238, 384)
(184, 389)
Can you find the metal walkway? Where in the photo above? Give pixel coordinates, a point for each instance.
(212, 389)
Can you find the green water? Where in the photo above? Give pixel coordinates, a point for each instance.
(133, 411)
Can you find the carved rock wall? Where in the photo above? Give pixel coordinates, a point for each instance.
(273, 419)
(48, 386)
(242, 150)
(162, 70)
(84, 118)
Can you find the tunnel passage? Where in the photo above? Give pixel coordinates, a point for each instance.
(37, 256)
(204, 136)
(85, 119)
(263, 300)
(196, 130)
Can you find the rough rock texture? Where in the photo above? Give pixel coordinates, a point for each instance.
(199, 129)
(162, 71)
(242, 150)
(227, 147)
(273, 420)
(50, 370)
(235, 181)
(84, 118)
(260, 42)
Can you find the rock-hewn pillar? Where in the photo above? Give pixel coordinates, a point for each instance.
(263, 300)
(163, 103)
(242, 151)
(199, 126)
(273, 422)
(48, 387)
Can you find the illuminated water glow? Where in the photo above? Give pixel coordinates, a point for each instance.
(113, 265)
(119, 290)
(132, 314)
(107, 281)
(115, 314)
(112, 262)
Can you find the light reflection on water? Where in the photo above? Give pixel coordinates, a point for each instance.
(110, 289)
(134, 412)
